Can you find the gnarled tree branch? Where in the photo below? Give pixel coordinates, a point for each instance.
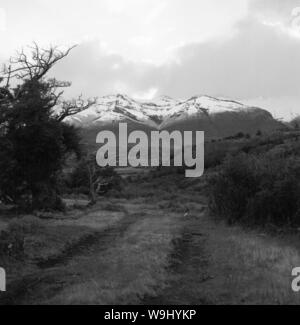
(32, 66)
(74, 106)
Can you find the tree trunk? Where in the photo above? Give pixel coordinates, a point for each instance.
(93, 196)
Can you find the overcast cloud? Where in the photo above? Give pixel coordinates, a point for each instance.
(242, 49)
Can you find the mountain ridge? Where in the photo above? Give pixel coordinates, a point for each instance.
(216, 116)
(110, 107)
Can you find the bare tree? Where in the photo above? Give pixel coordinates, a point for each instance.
(74, 106)
(94, 180)
(33, 65)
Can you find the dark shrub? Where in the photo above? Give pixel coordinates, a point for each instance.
(231, 187)
(257, 190)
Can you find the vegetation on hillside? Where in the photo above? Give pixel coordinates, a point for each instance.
(258, 182)
(89, 179)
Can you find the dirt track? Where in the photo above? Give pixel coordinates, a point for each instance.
(51, 274)
(153, 253)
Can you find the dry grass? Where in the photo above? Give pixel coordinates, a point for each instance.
(47, 239)
(248, 268)
(134, 267)
(133, 256)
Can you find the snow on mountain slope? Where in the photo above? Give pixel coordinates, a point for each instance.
(158, 113)
(159, 107)
(111, 109)
(201, 105)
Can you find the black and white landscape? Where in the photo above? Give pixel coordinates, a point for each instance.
(72, 232)
(217, 117)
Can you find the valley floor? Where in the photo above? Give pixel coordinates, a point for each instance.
(157, 246)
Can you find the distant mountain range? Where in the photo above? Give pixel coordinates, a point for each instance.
(217, 117)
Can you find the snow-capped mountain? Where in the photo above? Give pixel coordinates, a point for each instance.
(115, 108)
(111, 109)
(200, 105)
(200, 112)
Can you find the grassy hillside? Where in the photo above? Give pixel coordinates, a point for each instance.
(216, 126)
(258, 181)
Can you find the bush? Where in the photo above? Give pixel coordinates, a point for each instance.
(231, 187)
(257, 190)
(78, 180)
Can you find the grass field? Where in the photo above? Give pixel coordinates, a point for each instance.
(155, 245)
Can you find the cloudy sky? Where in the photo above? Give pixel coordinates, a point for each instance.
(248, 50)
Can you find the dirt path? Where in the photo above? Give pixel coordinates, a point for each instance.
(53, 272)
(90, 244)
(155, 254)
(189, 269)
